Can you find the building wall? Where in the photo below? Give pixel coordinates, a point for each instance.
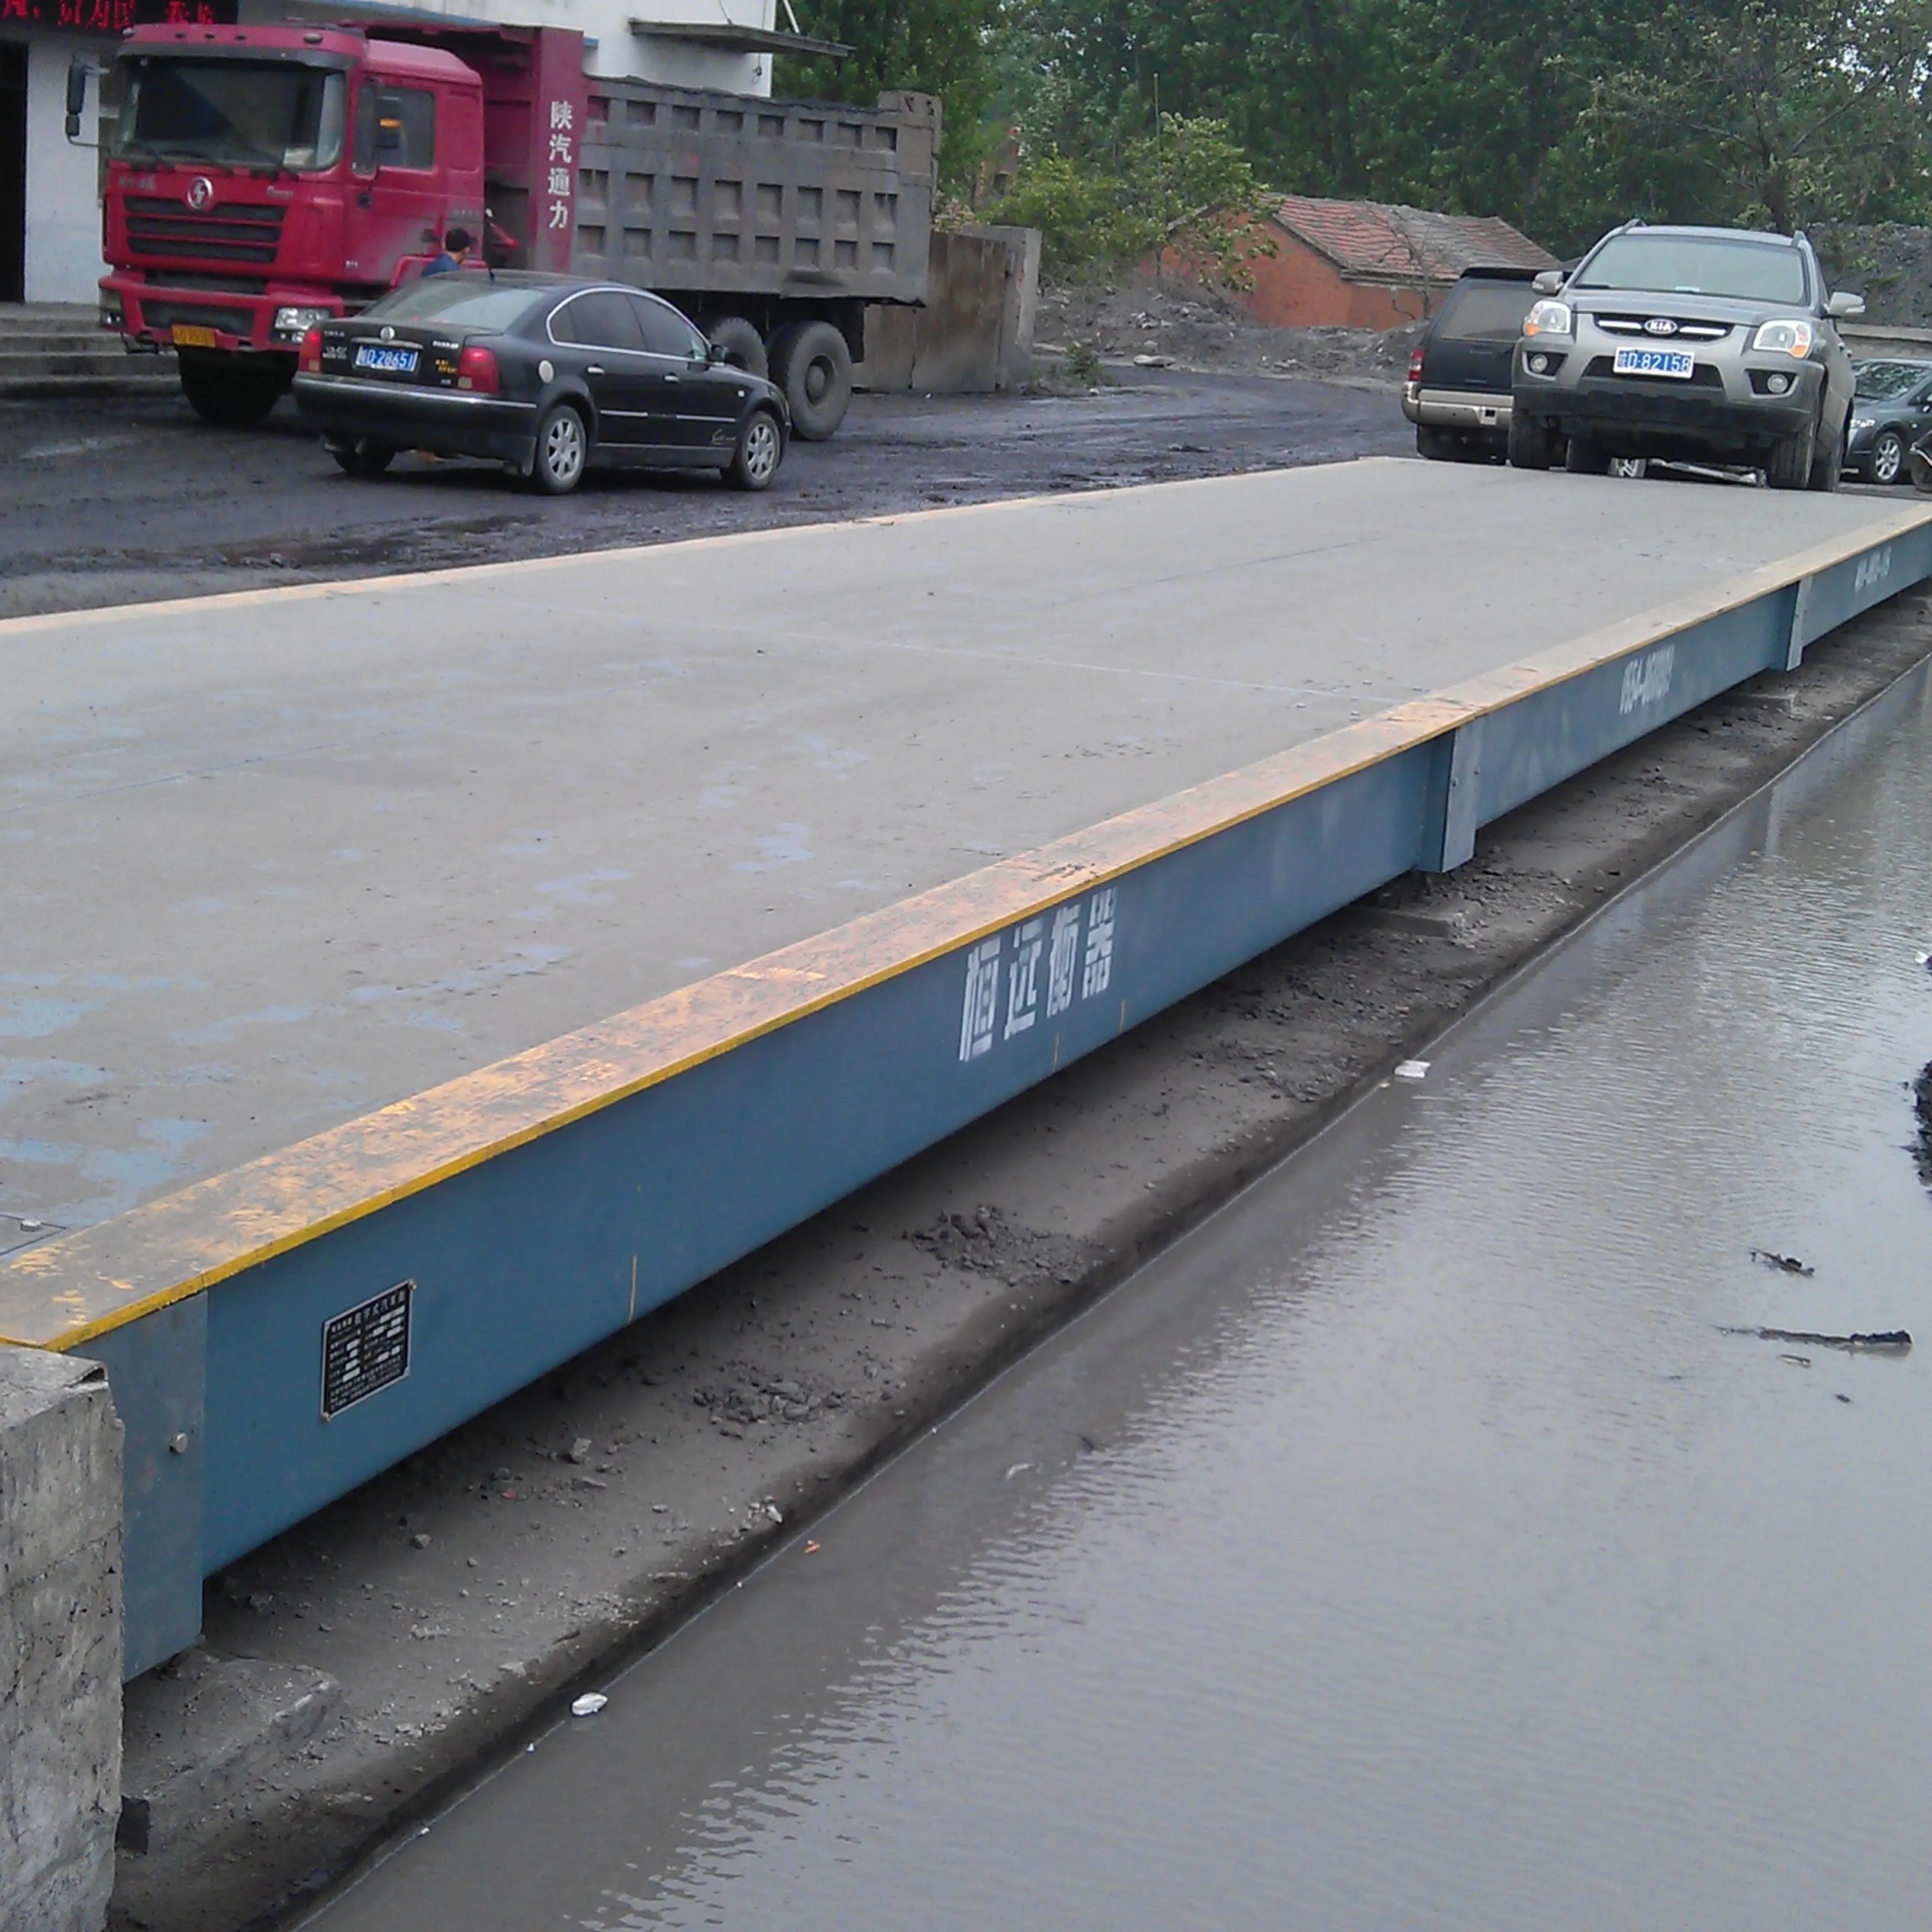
(63, 179)
(611, 49)
(1297, 287)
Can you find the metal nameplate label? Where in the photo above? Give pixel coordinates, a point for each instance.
(366, 1349)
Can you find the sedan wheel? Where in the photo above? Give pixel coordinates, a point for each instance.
(561, 446)
(1888, 457)
(755, 461)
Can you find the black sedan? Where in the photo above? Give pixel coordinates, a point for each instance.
(546, 375)
(1891, 409)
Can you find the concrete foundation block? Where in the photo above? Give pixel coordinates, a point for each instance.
(60, 1641)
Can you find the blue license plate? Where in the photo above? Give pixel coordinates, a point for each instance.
(1677, 362)
(391, 361)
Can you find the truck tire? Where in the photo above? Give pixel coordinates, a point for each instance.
(1530, 445)
(1790, 465)
(746, 345)
(230, 397)
(755, 462)
(811, 363)
(1586, 458)
(1828, 460)
(563, 448)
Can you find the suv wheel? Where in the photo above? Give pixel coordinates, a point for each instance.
(1586, 458)
(1828, 460)
(1790, 465)
(1530, 445)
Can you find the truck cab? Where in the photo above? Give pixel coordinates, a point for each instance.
(262, 179)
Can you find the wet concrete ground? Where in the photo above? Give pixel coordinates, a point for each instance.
(122, 502)
(1419, 1543)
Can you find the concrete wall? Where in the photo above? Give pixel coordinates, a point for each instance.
(63, 178)
(975, 334)
(60, 1642)
(616, 52)
(1298, 287)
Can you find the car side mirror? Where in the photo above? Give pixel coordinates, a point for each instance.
(1841, 305)
(1549, 282)
(716, 354)
(77, 96)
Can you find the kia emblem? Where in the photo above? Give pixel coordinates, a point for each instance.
(201, 194)
(1660, 325)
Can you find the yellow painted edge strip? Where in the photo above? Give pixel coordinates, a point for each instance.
(595, 1067)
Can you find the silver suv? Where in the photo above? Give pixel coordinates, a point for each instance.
(1708, 345)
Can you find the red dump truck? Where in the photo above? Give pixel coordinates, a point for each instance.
(262, 179)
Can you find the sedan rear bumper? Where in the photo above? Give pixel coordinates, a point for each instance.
(448, 422)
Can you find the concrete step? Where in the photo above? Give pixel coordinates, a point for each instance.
(84, 358)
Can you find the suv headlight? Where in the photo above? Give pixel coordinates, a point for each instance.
(298, 322)
(1549, 318)
(1788, 336)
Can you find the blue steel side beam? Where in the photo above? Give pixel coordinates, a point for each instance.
(526, 1210)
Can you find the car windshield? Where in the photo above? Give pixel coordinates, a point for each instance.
(468, 299)
(1486, 312)
(1697, 265)
(1881, 380)
(233, 113)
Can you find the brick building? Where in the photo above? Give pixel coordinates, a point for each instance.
(1370, 264)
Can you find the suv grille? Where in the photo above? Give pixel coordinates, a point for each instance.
(1684, 332)
(159, 225)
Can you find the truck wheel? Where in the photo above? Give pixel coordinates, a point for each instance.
(360, 457)
(760, 449)
(811, 364)
(563, 445)
(747, 346)
(1586, 458)
(1790, 465)
(233, 398)
(1530, 445)
(1828, 460)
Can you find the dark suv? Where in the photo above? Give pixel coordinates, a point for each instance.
(1458, 392)
(1707, 345)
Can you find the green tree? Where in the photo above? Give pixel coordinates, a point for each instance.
(1779, 112)
(946, 47)
(1188, 191)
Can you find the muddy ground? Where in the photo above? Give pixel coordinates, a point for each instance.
(1205, 328)
(122, 502)
(362, 1667)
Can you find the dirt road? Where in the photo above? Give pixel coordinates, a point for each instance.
(122, 502)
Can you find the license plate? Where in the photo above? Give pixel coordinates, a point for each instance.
(393, 361)
(192, 335)
(1677, 362)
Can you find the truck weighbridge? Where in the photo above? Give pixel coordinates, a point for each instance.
(408, 983)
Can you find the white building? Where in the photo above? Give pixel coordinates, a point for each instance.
(49, 187)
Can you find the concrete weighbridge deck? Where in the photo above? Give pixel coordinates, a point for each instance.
(857, 830)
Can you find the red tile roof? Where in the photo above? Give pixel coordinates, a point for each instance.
(1377, 242)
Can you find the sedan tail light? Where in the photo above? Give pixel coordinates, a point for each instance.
(1415, 366)
(476, 369)
(311, 353)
